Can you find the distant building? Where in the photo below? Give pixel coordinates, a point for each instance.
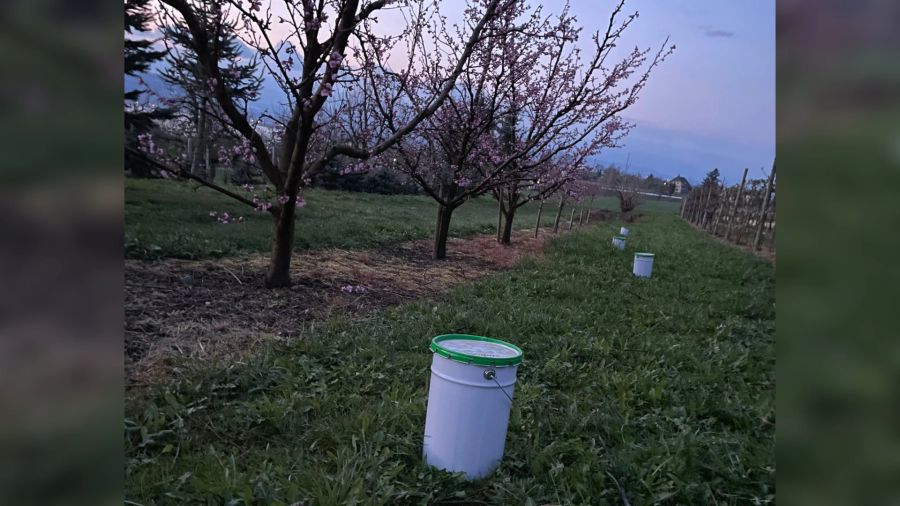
(680, 185)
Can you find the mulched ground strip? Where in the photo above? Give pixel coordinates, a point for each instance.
(206, 309)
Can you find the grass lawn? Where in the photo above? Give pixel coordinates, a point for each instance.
(666, 384)
(171, 219)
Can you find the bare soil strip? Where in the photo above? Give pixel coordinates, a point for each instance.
(178, 310)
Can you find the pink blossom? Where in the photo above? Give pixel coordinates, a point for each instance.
(147, 145)
(335, 60)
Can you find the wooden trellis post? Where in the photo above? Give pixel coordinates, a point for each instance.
(701, 206)
(572, 218)
(737, 200)
(537, 225)
(723, 199)
(695, 208)
(764, 208)
(562, 201)
(703, 211)
(722, 203)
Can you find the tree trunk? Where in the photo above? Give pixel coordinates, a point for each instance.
(442, 232)
(200, 145)
(500, 213)
(508, 216)
(537, 224)
(279, 274)
(558, 214)
(210, 170)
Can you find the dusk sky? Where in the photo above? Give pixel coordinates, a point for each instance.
(712, 103)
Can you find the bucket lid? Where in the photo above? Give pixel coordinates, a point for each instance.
(643, 254)
(476, 350)
(619, 237)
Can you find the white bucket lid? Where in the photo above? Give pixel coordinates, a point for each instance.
(476, 350)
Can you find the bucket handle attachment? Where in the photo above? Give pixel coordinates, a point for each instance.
(491, 374)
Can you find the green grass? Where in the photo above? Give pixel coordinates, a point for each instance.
(171, 219)
(667, 384)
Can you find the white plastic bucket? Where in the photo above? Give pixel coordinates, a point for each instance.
(469, 399)
(619, 242)
(623, 231)
(643, 265)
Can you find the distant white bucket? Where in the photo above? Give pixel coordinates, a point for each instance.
(643, 265)
(472, 381)
(623, 231)
(619, 242)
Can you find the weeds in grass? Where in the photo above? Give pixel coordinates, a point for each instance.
(170, 219)
(665, 384)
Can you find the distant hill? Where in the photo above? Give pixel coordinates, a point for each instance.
(271, 98)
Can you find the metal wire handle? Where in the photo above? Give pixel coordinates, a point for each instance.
(491, 374)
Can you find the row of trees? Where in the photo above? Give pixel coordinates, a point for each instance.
(506, 103)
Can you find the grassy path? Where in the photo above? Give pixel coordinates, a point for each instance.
(169, 219)
(666, 384)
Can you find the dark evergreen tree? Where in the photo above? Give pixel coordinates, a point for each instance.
(184, 72)
(711, 179)
(139, 55)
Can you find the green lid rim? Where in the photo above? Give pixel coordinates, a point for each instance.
(472, 359)
(644, 254)
(619, 237)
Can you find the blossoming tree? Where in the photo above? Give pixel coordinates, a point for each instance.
(577, 113)
(527, 105)
(314, 49)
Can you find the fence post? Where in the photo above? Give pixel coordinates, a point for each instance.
(684, 200)
(764, 208)
(737, 199)
(590, 208)
(572, 218)
(537, 225)
(562, 201)
(706, 210)
(695, 204)
(702, 218)
(581, 218)
(702, 207)
(721, 207)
